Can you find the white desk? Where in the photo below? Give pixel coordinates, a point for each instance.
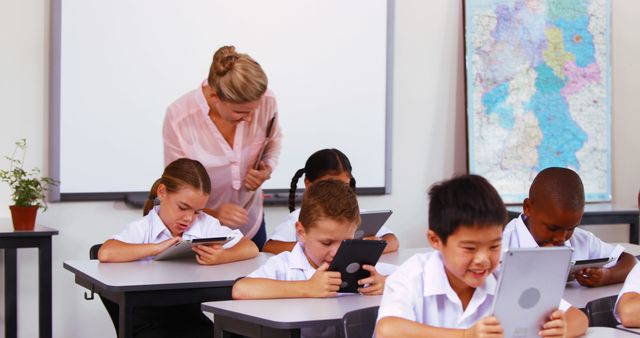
(579, 295)
(284, 317)
(146, 283)
(608, 332)
(631, 248)
(629, 329)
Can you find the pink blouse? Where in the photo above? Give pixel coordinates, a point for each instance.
(189, 132)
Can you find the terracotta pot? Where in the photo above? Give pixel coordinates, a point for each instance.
(24, 218)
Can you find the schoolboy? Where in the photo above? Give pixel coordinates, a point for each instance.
(329, 215)
(449, 292)
(551, 215)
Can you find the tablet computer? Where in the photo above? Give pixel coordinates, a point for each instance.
(184, 249)
(530, 286)
(587, 263)
(371, 222)
(351, 255)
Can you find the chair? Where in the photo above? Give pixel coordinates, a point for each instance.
(360, 323)
(112, 308)
(600, 312)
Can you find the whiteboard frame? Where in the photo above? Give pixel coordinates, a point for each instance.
(136, 198)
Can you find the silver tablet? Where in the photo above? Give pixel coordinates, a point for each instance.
(530, 286)
(586, 264)
(184, 249)
(371, 222)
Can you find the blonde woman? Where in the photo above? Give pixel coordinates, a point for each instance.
(223, 124)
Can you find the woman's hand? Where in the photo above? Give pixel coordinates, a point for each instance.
(255, 178)
(231, 215)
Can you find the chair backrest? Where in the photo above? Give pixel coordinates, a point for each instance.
(600, 312)
(360, 323)
(93, 252)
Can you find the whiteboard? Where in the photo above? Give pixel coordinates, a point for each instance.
(118, 64)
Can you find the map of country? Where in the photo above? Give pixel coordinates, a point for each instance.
(538, 91)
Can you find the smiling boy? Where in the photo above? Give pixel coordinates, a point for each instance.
(449, 292)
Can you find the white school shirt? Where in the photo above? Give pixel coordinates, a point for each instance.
(151, 229)
(420, 291)
(294, 266)
(585, 245)
(286, 231)
(631, 284)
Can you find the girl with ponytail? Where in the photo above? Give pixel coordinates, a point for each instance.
(322, 165)
(182, 192)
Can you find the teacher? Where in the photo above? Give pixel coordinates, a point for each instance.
(223, 124)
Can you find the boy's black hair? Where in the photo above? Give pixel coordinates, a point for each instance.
(561, 186)
(465, 200)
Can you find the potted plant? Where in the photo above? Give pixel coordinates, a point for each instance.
(28, 189)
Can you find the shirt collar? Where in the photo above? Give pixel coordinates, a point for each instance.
(158, 228)
(525, 238)
(157, 225)
(435, 281)
(298, 261)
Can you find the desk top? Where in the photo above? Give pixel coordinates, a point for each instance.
(609, 332)
(631, 248)
(162, 275)
(326, 311)
(579, 295)
(594, 208)
(634, 330)
(6, 230)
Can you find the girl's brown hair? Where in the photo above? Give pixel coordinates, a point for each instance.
(329, 199)
(236, 77)
(179, 174)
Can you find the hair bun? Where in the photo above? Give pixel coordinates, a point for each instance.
(224, 59)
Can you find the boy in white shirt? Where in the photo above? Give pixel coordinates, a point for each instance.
(449, 292)
(329, 215)
(627, 309)
(551, 215)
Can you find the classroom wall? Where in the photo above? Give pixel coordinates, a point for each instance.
(428, 140)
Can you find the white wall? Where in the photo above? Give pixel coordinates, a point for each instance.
(428, 140)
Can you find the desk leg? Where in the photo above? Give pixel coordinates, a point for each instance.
(44, 274)
(125, 321)
(634, 232)
(10, 294)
